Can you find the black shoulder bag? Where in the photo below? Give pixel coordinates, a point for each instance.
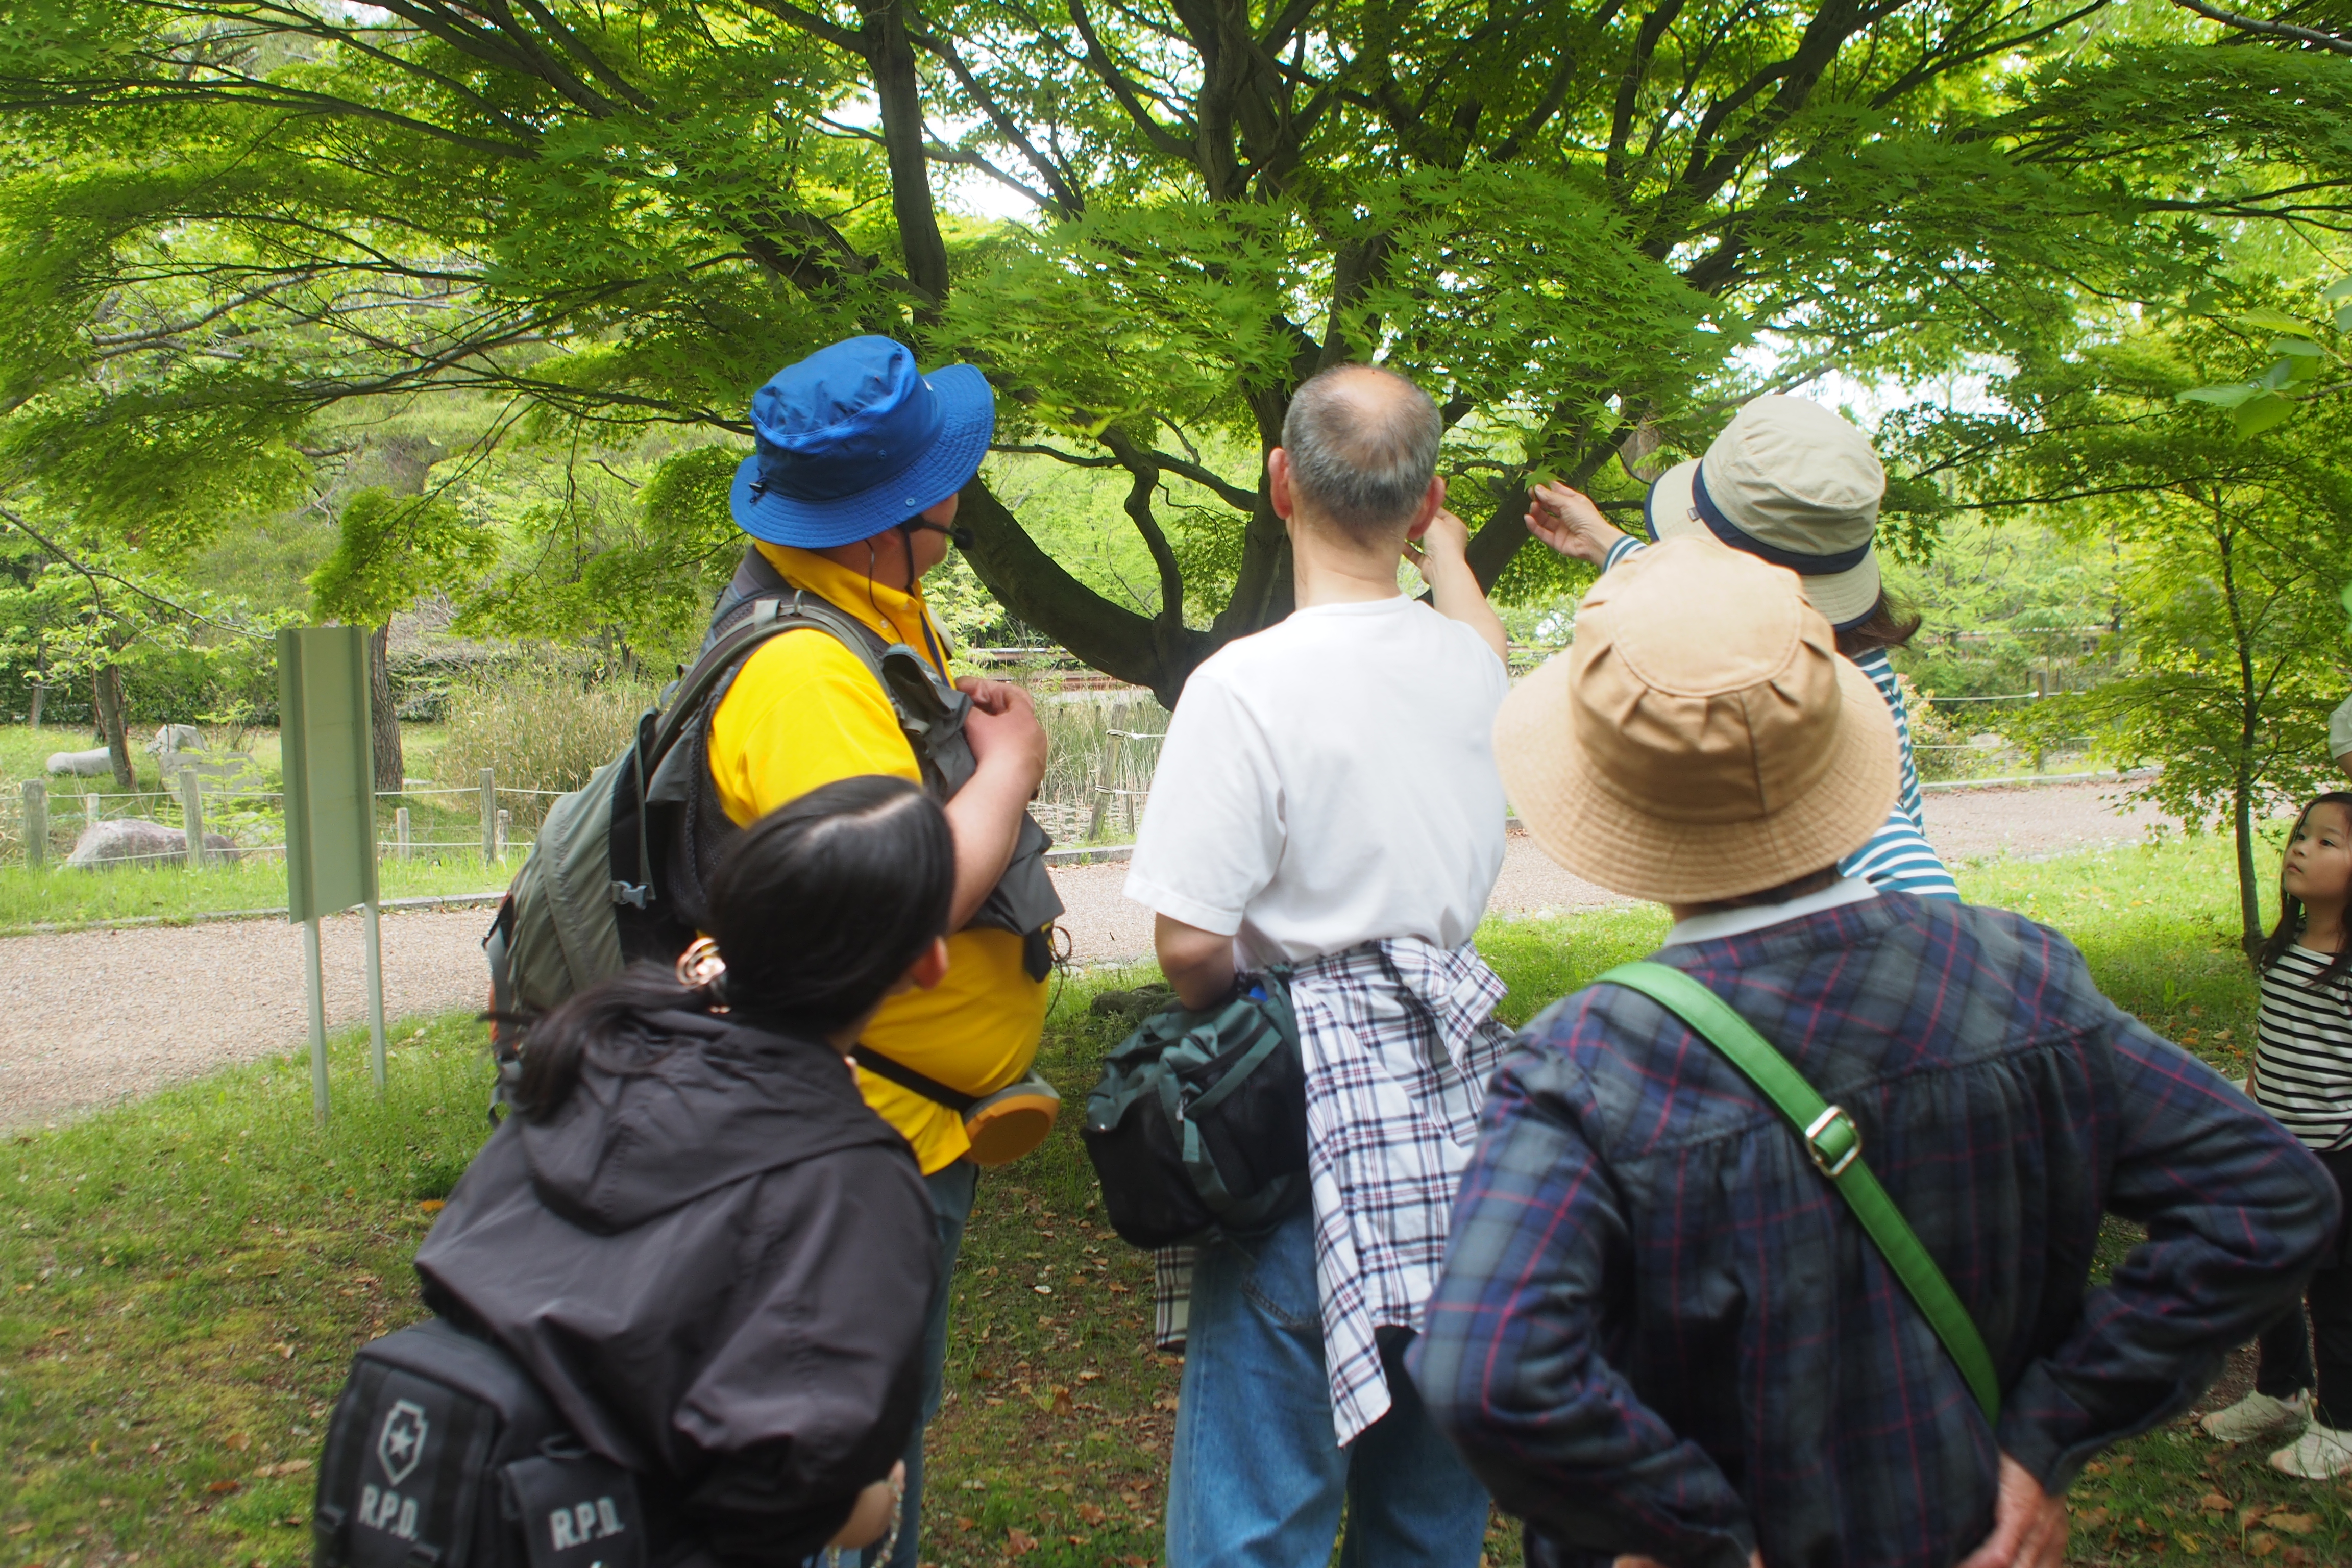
(444, 1453)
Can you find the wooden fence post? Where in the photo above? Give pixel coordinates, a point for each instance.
(506, 831)
(400, 832)
(489, 816)
(192, 816)
(36, 824)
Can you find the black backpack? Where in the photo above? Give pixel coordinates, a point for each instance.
(444, 1453)
(1199, 1126)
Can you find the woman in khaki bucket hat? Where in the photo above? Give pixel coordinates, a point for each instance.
(1687, 772)
(1792, 483)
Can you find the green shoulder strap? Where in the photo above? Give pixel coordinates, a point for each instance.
(1836, 1146)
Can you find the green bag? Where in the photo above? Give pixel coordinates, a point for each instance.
(1836, 1146)
(1198, 1125)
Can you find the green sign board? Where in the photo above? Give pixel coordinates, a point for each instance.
(328, 750)
(327, 747)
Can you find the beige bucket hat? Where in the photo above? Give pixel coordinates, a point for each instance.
(1701, 739)
(1789, 482)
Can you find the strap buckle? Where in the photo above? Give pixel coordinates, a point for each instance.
(1833, 1141)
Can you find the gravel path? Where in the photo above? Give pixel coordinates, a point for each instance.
(89, 1019)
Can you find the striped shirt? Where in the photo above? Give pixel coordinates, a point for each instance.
(1898, 858)
(2302, 1049)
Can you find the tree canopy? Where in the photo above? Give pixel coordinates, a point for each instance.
(232, 232)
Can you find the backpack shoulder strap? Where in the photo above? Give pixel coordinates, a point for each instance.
(1834, 1142)
(795, 610)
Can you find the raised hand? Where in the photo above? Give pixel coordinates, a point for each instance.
(1568, 521)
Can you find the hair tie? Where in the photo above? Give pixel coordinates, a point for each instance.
(700, 968)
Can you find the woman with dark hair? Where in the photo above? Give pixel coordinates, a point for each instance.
(712, 1257)
(1790, 482)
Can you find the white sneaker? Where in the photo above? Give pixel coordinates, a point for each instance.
(2323, 1452)
(2258, 1415)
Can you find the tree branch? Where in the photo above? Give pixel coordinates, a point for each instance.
(93, 574)
(2316, 39)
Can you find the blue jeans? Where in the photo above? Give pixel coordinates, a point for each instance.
(1258, 1477)
(952, 1190)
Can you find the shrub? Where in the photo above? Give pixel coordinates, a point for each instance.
(540, 732)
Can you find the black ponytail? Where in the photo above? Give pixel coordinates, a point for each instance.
(819, 908)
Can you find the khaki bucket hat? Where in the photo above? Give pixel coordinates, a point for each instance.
(1701, 739)
(1789, 482)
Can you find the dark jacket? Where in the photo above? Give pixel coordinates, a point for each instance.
(718, 1265)
(1660, 1331)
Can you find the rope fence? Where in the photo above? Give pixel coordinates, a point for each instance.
(50, 824)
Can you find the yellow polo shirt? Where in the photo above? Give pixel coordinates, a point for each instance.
(803, 711)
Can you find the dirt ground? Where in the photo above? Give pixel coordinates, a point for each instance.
(88, 1018)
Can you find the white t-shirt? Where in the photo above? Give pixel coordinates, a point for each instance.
(2339, 731)
(1328, 782)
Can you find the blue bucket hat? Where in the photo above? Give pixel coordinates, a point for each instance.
(852, 441)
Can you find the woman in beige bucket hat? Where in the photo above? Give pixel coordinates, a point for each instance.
(1792, 483)
(1688, 772)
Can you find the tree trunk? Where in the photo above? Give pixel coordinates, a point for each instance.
(404, 463)
(106, 696)
(383, 716)
(2241, 795)
(1037, 588)
(2249, 892)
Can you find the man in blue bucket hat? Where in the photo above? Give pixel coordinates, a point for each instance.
(1793, 483)
(850, 497)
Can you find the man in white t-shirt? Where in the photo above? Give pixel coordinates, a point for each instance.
(1327, 798)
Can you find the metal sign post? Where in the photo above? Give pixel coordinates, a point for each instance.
(328, 746)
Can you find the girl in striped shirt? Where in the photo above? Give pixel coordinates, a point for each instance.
(2303, 1076)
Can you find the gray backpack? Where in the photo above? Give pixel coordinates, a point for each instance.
(620, 868)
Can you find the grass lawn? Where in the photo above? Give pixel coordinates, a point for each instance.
(444, 833)
(182, 1280)
(60, 896)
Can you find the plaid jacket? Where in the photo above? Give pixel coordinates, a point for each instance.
(1660, 1331)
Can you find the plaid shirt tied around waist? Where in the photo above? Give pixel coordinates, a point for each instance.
(1398, 1039)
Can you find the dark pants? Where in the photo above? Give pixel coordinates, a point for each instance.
(2288, 1363)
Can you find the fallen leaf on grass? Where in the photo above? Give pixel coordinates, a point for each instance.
(1088, 1375)
(1091, 1514)
(432, 1205)
(239, 1441)
(1020, 1542)
(2214, 1502)
(1165, 1402)
(290, 1468)
(20, 1528)
(2092, 1519)
(2261, 1544)
(222, 1489)
(2094, 1468)
(2294, 1523)
(2247, 1516)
